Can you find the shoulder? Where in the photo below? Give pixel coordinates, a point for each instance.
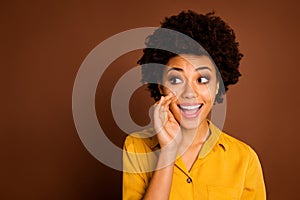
(139, 152)
(141, 141)
(230, 144)
(236, 146)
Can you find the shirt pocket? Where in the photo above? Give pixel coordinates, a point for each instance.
(223, 193)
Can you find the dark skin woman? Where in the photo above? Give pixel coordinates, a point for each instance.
(191, 157)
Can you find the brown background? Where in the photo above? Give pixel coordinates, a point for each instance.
(43, 44)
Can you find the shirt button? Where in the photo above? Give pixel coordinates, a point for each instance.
(189, 180)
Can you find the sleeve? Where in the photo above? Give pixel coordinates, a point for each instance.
(254, 187)
(134, 181)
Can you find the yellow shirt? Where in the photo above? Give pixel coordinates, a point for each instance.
(226, 168)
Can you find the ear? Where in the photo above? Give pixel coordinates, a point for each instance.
(161, 89)
(217, 88)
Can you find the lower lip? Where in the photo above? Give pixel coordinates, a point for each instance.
(192, 115)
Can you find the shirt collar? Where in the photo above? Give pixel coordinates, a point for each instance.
(212, 141)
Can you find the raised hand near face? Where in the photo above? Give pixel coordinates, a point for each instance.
(166, 126)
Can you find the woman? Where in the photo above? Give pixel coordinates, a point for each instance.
(185, 156)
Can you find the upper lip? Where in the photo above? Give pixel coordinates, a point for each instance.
(190, 106)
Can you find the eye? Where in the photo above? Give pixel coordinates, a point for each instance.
(203, 80)
(175, 80)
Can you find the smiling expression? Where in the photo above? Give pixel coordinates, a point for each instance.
(193, 79)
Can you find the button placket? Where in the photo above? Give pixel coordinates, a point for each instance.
(189, 180)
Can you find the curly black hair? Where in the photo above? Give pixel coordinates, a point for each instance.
(210, 31)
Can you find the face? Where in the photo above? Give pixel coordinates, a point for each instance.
(193, 80)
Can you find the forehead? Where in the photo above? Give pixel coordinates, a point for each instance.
(190, 62)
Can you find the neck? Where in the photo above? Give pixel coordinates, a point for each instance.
(193, 137)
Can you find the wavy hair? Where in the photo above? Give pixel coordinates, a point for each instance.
(210, 31)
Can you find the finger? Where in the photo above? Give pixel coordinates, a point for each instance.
(159, 111)
(170, 95)
(162, 112)
(165, 104)
(168, 99)
(157, 107)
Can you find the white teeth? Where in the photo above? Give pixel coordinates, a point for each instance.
(190, 107)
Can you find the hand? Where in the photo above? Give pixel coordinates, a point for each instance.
(167, 128)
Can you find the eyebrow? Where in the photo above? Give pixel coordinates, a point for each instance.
(202, 68)
(175, 68)
(180, 69)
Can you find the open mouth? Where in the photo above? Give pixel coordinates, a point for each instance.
(190, 110)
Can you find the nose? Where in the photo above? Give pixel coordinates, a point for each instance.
(189, 92)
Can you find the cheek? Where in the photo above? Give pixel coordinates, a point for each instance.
(208, 92)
